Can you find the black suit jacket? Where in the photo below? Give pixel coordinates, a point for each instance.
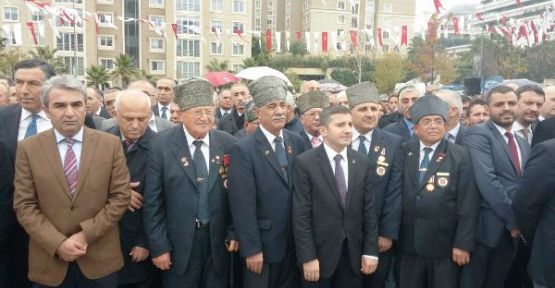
(131, 223)
(260, 194)
(7, 216)
(400, 129)
(295, 125)
(104, 113)
(385, 180)
(436, 221)
(306, 140)
(460, 135)
(388, 119)
(321, 223)
(545, 130)
(232, 122)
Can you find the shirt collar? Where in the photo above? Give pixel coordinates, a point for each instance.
(455, 131)
(517, 127)
(26, 114)
(78, 137)
(332, 153)
(191, 139)
(503, 130)
(98, 111)
(271, 137)
(408, 122)
(434, 147)
(356, 134)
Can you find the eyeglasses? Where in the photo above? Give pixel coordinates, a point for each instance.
(429, 122)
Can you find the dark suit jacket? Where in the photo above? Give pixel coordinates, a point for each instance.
(386, 188)
(7, 216)
(232, 122)
(295, 125)
(171, 198)
(156, 110)
(545, 130)
(104, 113)
(306, 140)
(388, 119)
(534, 207)
(496, 178)
(260, 194)
(460, 135)
(9, 126)
(436, 221)
(321, 223)
(131, 223)
(399, 128)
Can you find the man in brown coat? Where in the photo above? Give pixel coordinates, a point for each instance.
(71, 189)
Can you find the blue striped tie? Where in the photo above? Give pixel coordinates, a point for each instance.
(32, 128)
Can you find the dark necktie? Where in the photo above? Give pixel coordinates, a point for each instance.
(361, 146)
(32, 128)
(71, 171)
(280, 154)
(164, 113)
(201, 172)
(526, 133)
(340, 179)
(127, 144)
(424, 164)
(513, 151)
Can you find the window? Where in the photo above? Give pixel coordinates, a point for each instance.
(187, 5)
(156, 3)
(239, 6)
(66, 42)
(341, 19)
(386, 22)
(11, 14)
(217, 25)
(187, 70)
(238, 27)
(188, 48)
(354, 22)
(106, 18)
(341, 5)
(156, 44)
(238, 49)
(37, 16)
(156, 21)
(216, 48)
(217, 5)
(107, 63)
(387, 8)
(385, 35)
(11, 39)
(157, 67)
(106, 42)
(75, 64)
(188, 25)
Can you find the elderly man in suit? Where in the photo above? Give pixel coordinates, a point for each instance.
(261, 185)
(498, 156)
(133, 112)
(404, 126)
(534, 208)
(455, 130)
(68, 203)
(382, 149)
(310, 105)
(332, 203)
(186, 215)
(440, 202)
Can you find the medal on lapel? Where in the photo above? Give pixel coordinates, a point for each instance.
(184, 161)
(376, 149)
(289, 149)
(443, 179)
(380, 170)
(430, 187)
(381, 159)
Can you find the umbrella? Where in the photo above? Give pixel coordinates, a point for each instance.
(253, 73)
(218, 79)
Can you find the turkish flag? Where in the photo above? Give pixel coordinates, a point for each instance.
(404, 35)
(354, 38)
(325, 42)
(379, 32)
(269, 41)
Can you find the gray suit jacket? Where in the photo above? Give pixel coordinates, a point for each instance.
(496, 178)
(161, 124)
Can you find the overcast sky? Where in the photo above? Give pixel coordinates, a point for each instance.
(425, 8)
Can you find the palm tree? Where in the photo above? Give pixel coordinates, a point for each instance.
(215, 65)
(49, 55)
(125, 69)
(249, 62)
(145, 76)
(97, 76)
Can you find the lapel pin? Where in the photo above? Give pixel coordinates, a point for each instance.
(184, 161)
(354, 161)
(267, 152)
(380, 170)
(410, 154)
(376, 149)
(381, 159)
(289, 149)
(430, 187)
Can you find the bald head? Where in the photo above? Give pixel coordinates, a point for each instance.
(147, 88)
(132, 96)
(133, 113)
(308, 86)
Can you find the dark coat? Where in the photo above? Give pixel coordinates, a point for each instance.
(399, 128)
(295, 125)
(388, 119)
(321, 223)
(545, 130)
(436, 221)
(232, 122)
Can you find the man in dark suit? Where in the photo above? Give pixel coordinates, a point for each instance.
(404, 126)
(293, 121)
(225, 104)
(545, 130)
(310, 105)
(133, 112)
(165, 91)
(251, 122)
(497, 157)
(95, 103)
(71, 189)
(440, 202)
(336, 210)
(382, 149)
(534, 207)
(260, 182)
(186, 215)
(234, 121)
(7, 218)
(455, 130)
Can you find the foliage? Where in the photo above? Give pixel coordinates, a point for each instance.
(446, 67)
(49, 55)
(295, 80)
(8, 59)
(389, 70)
(344, 76)
(97, 76)
(125, 69)
(540, 61)
(216, 65)
(249, 62)
(298, 48)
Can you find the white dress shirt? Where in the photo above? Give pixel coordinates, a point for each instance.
(356, 140)
(205, 147)
(310, 137)
(517, 127)
(422, 146)
(168, 112)
(223, 111)
(43, 123)
(453, 132)
(502, 131)
(271, 137)
(76, 147)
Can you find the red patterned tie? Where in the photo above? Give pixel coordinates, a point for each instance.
(513, 151)
(71, 171)
(315, 142)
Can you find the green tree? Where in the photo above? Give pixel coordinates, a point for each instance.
(422, 58)
(215, 65)
(298, 48)
(344, 76)
(388, 71)
(125, 69)
(97, 76)
(540, 61)
(295, 80)
(249, 62)
(49, 55)
(8, 59)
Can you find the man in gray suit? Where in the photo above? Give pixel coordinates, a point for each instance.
(498, 156)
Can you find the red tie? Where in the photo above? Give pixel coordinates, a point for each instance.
(315, 142)
(513, 151)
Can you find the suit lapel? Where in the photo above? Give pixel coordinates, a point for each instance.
(376, 146)
(289, 151)
(325, 165)
(524, 148)
(266, 149)
(216, 160)
(87, 154)
(52, 154)
(353, 174)
(183, 155)
(12, 129)
(412, 162)
(501, 139)
(436, 162)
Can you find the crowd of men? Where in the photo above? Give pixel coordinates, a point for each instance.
(174, 185)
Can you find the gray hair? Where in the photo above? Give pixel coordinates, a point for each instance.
(130, 93)
(406, 89)
(290, 100)
(64, 82)
(452, 98)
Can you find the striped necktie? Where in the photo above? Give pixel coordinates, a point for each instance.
(71, 171)
(32, 128)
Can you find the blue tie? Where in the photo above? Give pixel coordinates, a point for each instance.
(201, 171)
(361, 146)
(32, 128)
(164, 113)
(280, 154)
(424, 164)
